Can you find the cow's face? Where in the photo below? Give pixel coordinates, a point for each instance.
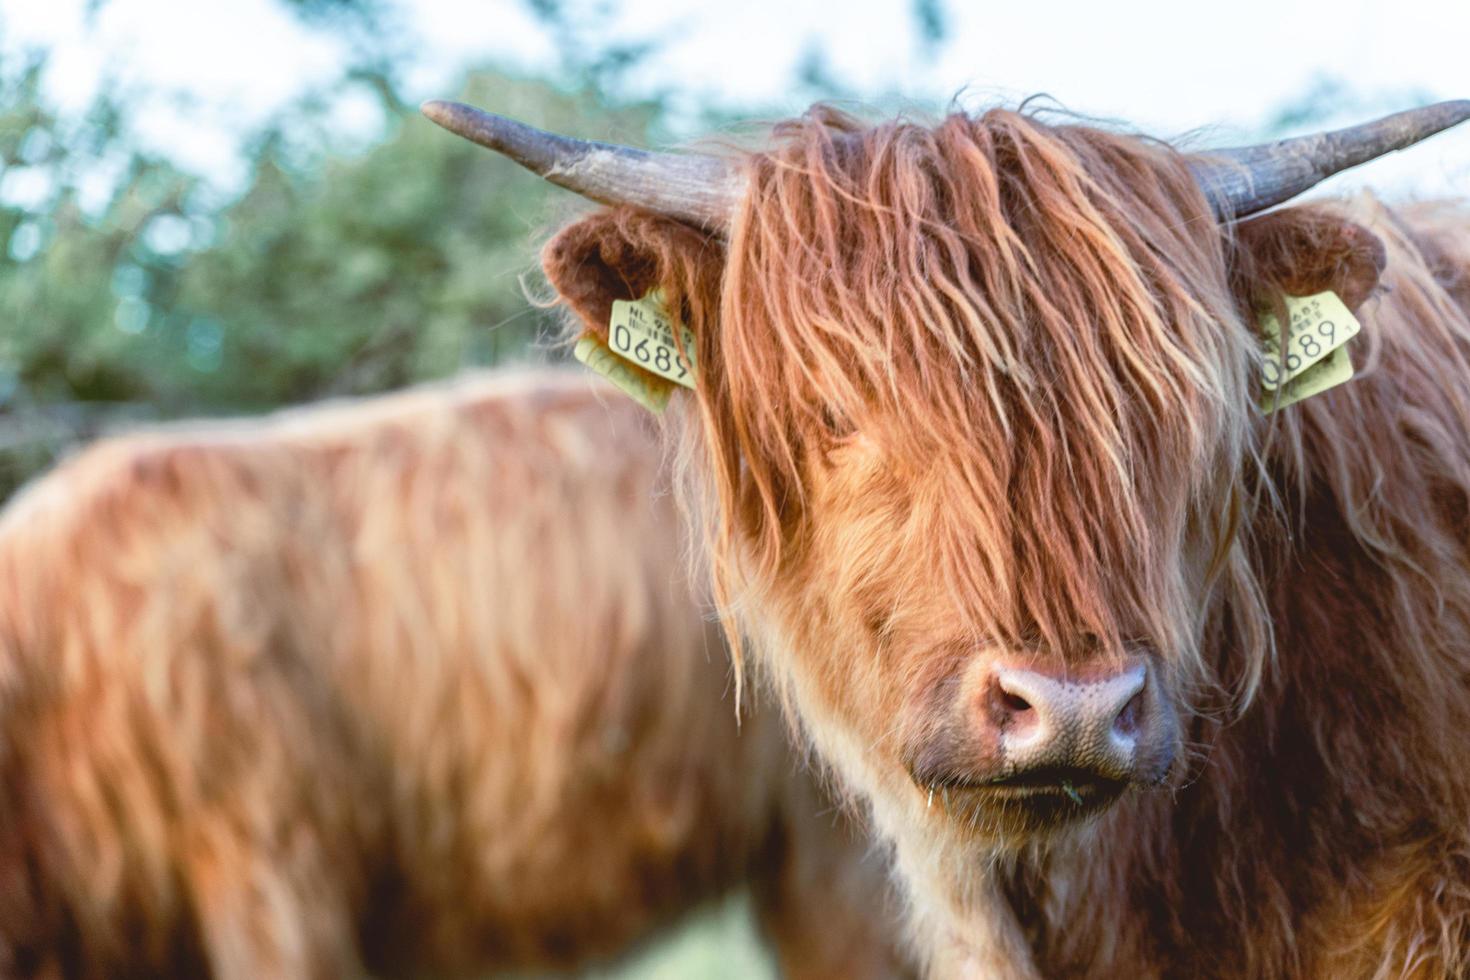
(891, 639)
(978, 419)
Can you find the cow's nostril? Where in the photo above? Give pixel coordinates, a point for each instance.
(1014, 702)
(1130, 717)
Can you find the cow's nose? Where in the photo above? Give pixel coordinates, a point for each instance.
(1049, 722)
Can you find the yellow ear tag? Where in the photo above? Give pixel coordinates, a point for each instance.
(1330, 372)
(652, 393)
(1313, 357)
(642, 333)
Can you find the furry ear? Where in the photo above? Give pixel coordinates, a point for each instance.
(1303, 250)
(622, 253)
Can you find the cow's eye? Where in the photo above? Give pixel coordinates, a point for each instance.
(836, 423)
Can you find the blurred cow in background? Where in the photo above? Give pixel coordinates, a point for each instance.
(416, 684)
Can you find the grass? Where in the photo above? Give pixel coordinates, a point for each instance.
(719, 942)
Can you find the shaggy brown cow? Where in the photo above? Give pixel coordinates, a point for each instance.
(1141, 681)
(411, 685)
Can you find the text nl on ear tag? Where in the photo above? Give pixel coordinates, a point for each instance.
(1313, 355)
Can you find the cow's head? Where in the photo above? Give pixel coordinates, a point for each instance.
(977, 420)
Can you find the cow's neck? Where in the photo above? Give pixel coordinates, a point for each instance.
(1076, 898)
(960, 916)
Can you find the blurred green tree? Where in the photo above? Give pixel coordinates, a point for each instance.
(370, 273)
(336, 275)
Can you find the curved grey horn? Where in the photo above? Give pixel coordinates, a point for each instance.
(1246, 179)
(701, 190)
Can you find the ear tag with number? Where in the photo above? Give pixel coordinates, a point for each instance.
(1312, 357)
(642, 332)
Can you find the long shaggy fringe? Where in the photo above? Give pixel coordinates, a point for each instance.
(1045, 327)
(981, 288)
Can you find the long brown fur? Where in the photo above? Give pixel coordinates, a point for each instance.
(416, 684)
(991, 385)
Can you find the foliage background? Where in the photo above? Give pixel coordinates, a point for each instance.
(129, 290)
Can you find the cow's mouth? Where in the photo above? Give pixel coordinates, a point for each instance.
(1060, 791)
(1050, 795)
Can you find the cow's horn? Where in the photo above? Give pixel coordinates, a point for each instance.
(1246, 179)
(699, 189)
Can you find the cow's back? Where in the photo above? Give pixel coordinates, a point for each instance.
(420, 679)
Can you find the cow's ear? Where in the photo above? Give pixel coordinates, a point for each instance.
(624, 253)
(1303, 250)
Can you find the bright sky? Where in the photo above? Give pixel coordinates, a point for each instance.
(1166, 66)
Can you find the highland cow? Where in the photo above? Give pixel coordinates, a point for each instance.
(412, 685)
(1139, 679)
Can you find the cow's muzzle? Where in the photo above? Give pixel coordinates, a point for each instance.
(1063, 742)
